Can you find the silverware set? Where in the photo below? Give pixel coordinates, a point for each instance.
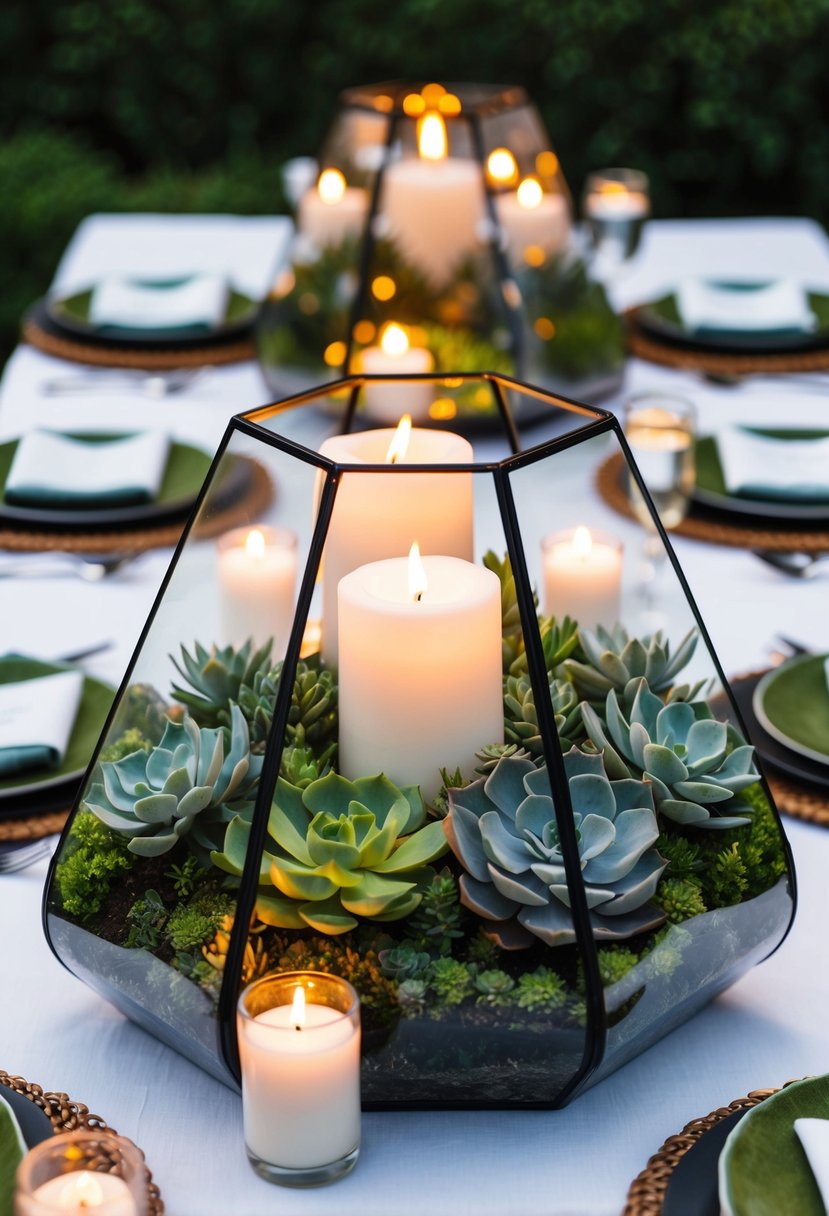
(795, 564)
(20, 854)
(126, 380)
(92, 568)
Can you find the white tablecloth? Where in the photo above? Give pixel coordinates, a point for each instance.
(768, 1028)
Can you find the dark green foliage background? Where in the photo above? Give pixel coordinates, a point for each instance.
(192, 105)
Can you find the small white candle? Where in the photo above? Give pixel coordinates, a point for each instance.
(533, 220)
(434, 203)
(583, 577)
(420, 680)
(330, 211)
(376, 514)
(77, 1193)
(257, 578)
(300, 1073)
(394, 356)
(616, 202)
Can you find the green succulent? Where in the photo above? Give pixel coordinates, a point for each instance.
(312, 717)
(215, 678)
(541, 991)
(489, 755)
(558, 641)
(404, 962)
(183, 785)
(300, 767)
(494, 988)
(451, 981)
(695, 764)
(339, 850)
(512, 633)
(436, 923)
(521, 719)
(504, 832)
(614, 659)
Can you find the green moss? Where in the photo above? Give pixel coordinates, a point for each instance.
(95, 860)
(131, 741)
(615, 962)
(193, 924)
(680, 899)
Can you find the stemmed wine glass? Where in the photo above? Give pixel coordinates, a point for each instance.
(615, 205)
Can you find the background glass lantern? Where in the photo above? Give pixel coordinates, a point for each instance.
(523, 910)
(444, 210)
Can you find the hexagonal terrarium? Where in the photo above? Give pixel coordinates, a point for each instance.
(409, 729)
(438, 236)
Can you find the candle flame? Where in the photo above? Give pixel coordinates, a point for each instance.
(501, 166)
(399, 445)
(82, 1190)
(394, 340)
(298, 1007)
(530, 193)
(255, 544)
(431, 136)
(418, 582)
(582, 542)
(331, 186)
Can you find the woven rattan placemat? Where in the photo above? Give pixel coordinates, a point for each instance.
(724, 363)
(714, 528)
(33, 827)
(37, 330)
(65, 1115)
(256, 497)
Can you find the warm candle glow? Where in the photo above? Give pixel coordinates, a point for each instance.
(82, 1190)
(530, 193)
(399, 445)
(418, 582)
(501, 166)
(298, 1007)
(394, 340)
(331, 186)
(255, 544)
(582, 542)
(431, 137)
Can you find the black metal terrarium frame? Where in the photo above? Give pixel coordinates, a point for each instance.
(596, 1061)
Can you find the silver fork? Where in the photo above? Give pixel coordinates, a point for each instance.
(151, 384)
(56, 565)
(19, 854)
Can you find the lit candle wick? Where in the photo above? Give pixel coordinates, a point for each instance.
(400, 440)
(298, 1008)
(418, 581)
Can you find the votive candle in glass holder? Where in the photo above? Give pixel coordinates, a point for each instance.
(257, 580)
(583, 576)
(299, 1046)
(82, 1172)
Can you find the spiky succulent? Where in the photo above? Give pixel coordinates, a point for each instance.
(312, 718)
(521, 717)
(188, 783)
(504, 832)
(339, 850)
(558, 639)
(696, 765)
(613, 659)
(215, 678)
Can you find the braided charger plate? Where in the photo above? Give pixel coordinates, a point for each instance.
(68, 1116)
(724, 363)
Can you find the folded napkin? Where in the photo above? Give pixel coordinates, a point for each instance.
(200, 299)
(744, 306)
(50, 469)
(759, 466)
(814, 1136)
(36, 720)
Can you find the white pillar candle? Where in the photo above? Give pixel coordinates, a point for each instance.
(434, 204)
(257, 578)
(76, 1194)
(533, 219)
(330, 211)
(394, 356)
(583, 577)
(420, 680)
(300, 1071)
(378, 515)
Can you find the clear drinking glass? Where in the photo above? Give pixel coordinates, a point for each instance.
(615, 205)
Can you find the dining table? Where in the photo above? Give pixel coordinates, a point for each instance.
(768, 1028)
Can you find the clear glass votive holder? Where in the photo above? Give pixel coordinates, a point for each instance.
(299, 1045)
(82, 1171)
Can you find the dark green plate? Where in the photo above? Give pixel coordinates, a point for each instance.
(662, 320)
(763, 1168)
(71, 313)
(186, 470)
(710, 490)
(791, 703)
(96, 699)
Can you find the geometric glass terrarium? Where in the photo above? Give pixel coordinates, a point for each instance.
(532, 837)
(441, 214)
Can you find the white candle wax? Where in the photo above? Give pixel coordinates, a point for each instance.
(300, 1088)
(420, 681)
(329, 223)
(378, 515)
(257, 577)
(618, 204)
(583, 577)
(394, 356)
(544, 225)
(434, 210)
(77, 1193)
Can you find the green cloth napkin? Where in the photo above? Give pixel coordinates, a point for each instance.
(52, 470)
